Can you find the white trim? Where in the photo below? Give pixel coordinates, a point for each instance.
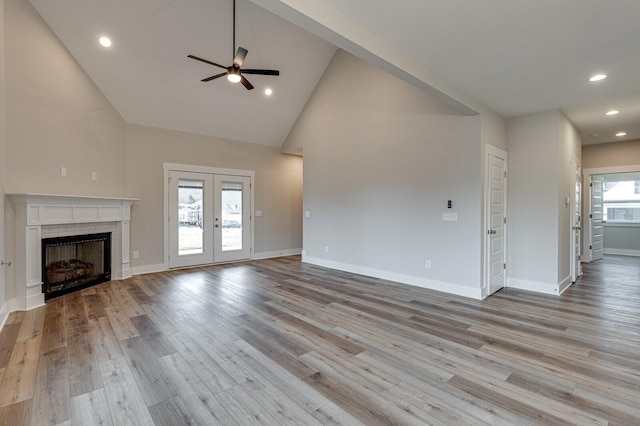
(502, 154)
(474, 293)
(621, 252)
(148, 269)
(4, 313)
(576, 178)
(207, 169)
(540, 287)
(564, 284)
(277, 253)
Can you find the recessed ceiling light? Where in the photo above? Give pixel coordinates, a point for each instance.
(268, 92)
(613, 112)
(598, 77)
(621, 134)
(105, 41)
(594, 135)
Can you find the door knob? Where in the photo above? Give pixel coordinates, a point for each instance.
(216, 225)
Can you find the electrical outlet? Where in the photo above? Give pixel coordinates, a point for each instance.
(307, 214)
(136, 254)
(428, 264)
(94, 175)
(326, 249)
(63, 171)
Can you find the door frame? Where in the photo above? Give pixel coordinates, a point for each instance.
(586, 179)
(576, 257)
(486, 241)
(176, 167)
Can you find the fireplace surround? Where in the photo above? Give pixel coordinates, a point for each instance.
(39, 216)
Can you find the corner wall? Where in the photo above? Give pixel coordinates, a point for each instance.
(542, 149)
(56, 116)
(381, 159)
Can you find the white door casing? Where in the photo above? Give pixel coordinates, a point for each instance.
(596, 243)
(576, 217)
(495, 236)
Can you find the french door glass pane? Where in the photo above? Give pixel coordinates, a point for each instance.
(231, 216)
(190, 215)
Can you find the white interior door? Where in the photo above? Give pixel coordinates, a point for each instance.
(232, 218)
(576, 269)
(496, 243)
(595, 217)
(190, 219)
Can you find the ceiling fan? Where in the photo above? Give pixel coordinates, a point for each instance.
(235, 72)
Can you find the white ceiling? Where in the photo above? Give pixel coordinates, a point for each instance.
(515, 56)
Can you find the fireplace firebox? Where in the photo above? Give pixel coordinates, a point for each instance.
(75, 262)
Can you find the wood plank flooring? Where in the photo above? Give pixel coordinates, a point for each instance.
(280, 342)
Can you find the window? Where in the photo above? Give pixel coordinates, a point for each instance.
(621, 201)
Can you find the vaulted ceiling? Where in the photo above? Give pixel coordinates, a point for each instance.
(516, 57)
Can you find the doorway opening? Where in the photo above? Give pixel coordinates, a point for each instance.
(613, 212)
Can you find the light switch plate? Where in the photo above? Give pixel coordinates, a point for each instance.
(450, 217)
(258, 213)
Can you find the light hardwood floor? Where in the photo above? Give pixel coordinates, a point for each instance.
(280, 342)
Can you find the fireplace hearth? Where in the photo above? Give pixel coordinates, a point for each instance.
(75, 262)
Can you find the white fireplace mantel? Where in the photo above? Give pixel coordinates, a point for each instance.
(33, 211)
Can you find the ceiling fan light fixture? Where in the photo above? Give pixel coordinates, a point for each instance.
(234, 76)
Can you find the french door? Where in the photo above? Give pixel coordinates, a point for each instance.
(209, 218)
(231, 224)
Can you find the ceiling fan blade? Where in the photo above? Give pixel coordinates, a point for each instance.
(239, 58)
(246, 83)
(261, 72)
(205, 61)
(213, 77)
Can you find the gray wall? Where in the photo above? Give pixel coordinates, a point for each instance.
(278, 186)
(611, 154)
(541, 147)
(56, 116)
(3, 307)
(622, 239)
(381, 159)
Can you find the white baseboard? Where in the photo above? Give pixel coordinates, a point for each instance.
(4, 314)
(459, 290)
(148, 269)
(539, 287)
(622, 252)
(276, 253)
